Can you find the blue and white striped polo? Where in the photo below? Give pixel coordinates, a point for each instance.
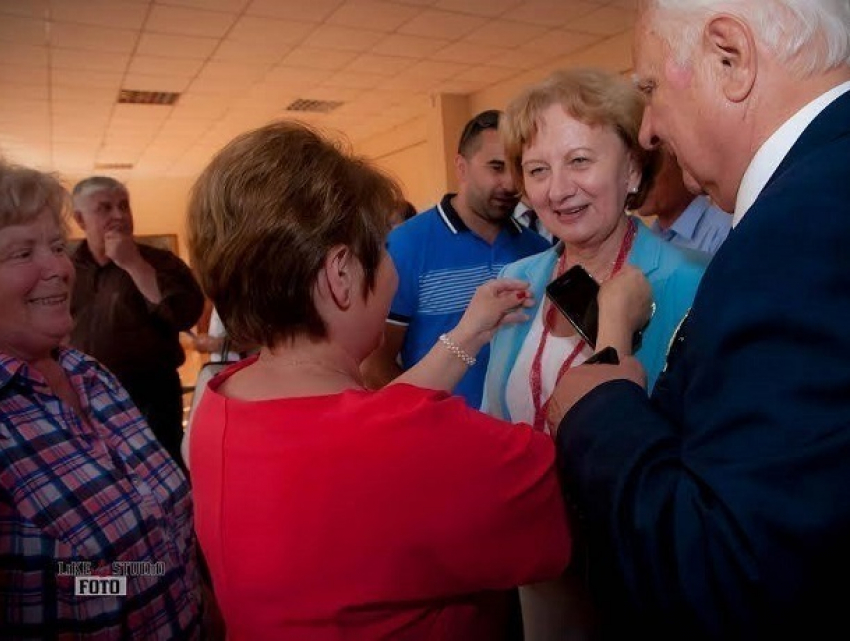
(440, 264)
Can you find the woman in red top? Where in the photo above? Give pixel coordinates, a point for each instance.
(326, 510)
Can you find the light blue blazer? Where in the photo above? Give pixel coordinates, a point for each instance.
(673, 274)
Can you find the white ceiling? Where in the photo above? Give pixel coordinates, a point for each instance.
(238, 63)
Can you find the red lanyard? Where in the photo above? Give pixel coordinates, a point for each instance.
(541, 408)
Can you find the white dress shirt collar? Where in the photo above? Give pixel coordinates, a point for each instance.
(773, 151)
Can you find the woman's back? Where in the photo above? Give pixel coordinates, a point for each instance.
(395, 514)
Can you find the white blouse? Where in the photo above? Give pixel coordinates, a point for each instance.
(518, 395)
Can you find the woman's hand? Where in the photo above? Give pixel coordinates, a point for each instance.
(625, 307)
(495, 303)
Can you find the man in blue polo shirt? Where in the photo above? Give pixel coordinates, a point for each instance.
(443, 254)
(681, 218)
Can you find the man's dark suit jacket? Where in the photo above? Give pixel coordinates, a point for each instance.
(720, 508)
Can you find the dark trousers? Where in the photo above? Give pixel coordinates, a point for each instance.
(159, 397)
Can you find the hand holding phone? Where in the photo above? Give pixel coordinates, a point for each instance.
(573, 293)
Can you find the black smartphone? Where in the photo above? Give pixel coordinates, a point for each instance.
(574, 294)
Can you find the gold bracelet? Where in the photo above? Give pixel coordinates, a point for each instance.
(455, 349)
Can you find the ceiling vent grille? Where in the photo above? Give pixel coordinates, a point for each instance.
(132, 97)
(113, 165)
(314, 106)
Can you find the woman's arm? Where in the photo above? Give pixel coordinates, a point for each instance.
(495, 303)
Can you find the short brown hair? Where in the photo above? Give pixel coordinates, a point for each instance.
(592, 96)
(25, 193)
(263, 216)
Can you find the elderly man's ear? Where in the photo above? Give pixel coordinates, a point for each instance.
(731, 52)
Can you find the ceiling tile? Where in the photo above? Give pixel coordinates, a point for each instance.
(25, 92)
(104, 13)
(252, 28)
(408, 83)
(258, 52)
(606, 21)
(231, 71)
(79, 59)
(311, 58)
(307, 11)
(83, 79)
(22, 55)
(25, 8)
(416, 3)
(183, 128)
(189, 22)
(137, 113)
(87, 133)
(142, 82)
(36, 76)
(378, 16)
(408, 46)
(489, 8)
(77, 36)
(158, 44)
(441, 23)
(523, 59)
(485, 74)
(435, 69)
(561, 43)
(67, 93)
(505, 34)
(550, 13)
(210, 85)
(231, 6)
(75, 112)
(372, 63)
(156, 66)
(337, 94)
(295, 77)
(199, 108)
(343, 38)
(351, 80)
(13, 105)
(467, 53)
(23, 30)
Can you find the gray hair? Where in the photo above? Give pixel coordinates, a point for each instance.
(96, 183)
(809, 36)
(26, 193)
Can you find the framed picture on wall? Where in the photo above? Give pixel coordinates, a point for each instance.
(161, 241)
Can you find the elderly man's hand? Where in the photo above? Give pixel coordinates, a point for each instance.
(121, 249)
(579, 381)
(625, 306)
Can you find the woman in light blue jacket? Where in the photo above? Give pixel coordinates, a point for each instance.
(572, 145)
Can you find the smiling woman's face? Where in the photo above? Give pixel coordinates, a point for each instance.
(36, 277)
(577, 177)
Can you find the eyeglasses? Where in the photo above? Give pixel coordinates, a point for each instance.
(485, 120)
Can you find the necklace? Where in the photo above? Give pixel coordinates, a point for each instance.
(541, 408)
(275, 363)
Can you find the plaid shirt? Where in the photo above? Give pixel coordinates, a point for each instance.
(95, 491)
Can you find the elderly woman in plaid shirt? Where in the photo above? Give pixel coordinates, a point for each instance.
(84, 486)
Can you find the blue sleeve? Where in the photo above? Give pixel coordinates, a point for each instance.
(403, 246)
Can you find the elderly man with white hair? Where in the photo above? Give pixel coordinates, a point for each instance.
(719, 507)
